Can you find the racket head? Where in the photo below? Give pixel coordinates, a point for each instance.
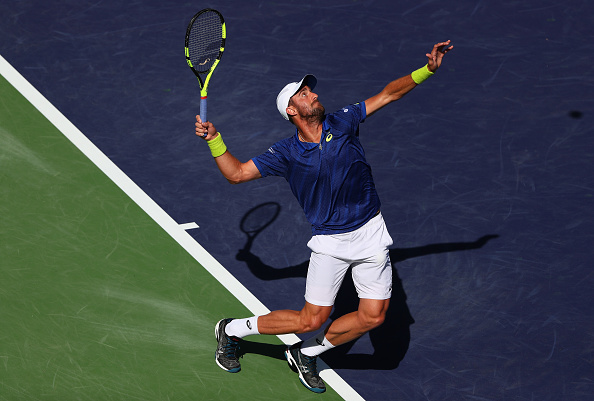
(259, 217)
(205, 41)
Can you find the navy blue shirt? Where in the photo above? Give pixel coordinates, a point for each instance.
(331, 180)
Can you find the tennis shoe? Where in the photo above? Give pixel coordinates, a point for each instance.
(306, 367)
(226, 354)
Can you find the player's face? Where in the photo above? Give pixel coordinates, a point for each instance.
(307, 104)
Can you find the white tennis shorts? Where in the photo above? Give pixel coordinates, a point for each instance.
(365, 249)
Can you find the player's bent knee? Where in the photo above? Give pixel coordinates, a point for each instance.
(313, 317)
(371, 322)
(372, 313)
(311, 324)
(378, 321)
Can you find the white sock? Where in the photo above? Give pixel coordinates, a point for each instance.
(316, 345)
(242, 327)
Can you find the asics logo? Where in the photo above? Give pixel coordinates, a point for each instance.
(328, 137)
(249, 325)
(319, 342)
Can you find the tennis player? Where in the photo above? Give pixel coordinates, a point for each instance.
(324, 164)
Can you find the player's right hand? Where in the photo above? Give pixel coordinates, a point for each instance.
(205, 130)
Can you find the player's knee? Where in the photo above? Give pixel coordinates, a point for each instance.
(311, 317)
(370, 322)
(313, 324)
(379, 320)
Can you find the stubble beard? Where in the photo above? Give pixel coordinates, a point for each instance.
(315, 114)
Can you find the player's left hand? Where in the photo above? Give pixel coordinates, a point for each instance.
(436, 55)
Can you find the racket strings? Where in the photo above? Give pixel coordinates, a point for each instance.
(205, 41)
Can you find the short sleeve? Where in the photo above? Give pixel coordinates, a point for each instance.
(273, 162)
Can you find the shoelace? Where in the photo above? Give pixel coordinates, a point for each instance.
(311, 364)
(231, 347)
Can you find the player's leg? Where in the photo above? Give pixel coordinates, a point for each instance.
(321, 289)
(324, 277)
(371, 314)
(228, 332)
(308, 319)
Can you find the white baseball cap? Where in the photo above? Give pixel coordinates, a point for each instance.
(282, 100)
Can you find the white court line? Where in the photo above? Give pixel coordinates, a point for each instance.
(189, 226)
(158, 215)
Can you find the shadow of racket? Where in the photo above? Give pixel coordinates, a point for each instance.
(256, 220)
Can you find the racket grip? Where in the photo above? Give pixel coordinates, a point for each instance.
(203, 109)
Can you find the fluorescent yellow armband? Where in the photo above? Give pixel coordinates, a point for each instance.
(420, 75)
(217, 146)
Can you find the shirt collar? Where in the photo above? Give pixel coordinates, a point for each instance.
(308, 146)
(304, 146)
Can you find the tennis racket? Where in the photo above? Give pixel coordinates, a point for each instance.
(257, 219)
(205, 43)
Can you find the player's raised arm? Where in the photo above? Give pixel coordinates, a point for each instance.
(232, 169)
(401, 86)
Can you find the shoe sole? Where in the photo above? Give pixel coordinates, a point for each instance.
(293, 365)
(234, 370)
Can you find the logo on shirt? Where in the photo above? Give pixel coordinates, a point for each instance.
(345, 110)
(271, 150)
(328, 137)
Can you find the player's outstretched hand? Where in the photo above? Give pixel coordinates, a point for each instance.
(205, 130)
(436, 55)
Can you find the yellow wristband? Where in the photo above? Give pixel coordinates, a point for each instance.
(217, 146)
(420, 75)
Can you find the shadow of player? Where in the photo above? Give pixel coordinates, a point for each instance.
(390, 341)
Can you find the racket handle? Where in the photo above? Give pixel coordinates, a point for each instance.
(203, 109)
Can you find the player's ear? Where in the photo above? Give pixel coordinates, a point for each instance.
(291, 111)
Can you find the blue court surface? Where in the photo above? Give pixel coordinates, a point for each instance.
(485, 171)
